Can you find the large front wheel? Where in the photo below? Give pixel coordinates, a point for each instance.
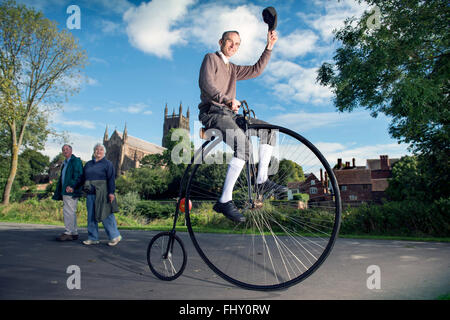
(287, 235)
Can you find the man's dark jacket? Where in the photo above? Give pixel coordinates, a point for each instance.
(73, 172)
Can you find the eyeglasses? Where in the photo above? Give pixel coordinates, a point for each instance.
(229, 41)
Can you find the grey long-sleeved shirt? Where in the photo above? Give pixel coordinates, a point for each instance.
(217, 80)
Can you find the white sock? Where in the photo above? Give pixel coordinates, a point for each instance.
(265, 154)
(234, 170)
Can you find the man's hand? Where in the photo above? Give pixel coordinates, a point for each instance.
(69, 189)
(234, 105)
(272, 37)
(111, 197)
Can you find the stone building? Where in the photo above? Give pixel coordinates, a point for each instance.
(126, 152)
(175, 121)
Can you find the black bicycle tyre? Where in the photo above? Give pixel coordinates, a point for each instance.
(331, 241)
(153, 269)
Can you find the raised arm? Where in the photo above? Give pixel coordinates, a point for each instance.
(249, 72)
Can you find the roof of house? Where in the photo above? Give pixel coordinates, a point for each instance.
(297, 184)
(142, 144)
(353, 176)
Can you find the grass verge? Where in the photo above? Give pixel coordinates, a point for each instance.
(49, 212)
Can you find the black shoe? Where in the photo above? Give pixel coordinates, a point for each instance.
(269, 186)
(229, 210)
(67, 237)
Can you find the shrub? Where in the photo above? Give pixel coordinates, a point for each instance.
(128, 202)
(301, 197)
(124, 184)
(51, 188)
(406, 218)
(153, 209)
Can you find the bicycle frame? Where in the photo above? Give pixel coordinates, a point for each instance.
(246, 112)
(255, 200)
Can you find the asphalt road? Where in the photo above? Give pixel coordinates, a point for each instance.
(34, 266)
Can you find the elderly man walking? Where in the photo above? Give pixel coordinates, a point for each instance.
(71, 170)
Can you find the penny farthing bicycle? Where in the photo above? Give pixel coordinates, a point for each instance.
(285, 237)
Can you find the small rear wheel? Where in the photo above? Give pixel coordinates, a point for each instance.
(166, 256)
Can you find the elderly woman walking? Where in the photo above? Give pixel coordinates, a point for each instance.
(98, 179)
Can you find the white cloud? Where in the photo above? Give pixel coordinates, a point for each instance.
(150, 26)
(290, 81)
(296, 44)
(82, 145)
(91, 81)
(110, 27)
(209, 21)
(303, 121)
(335, 15)
(158, 26)
(293, 82)
(99, 61)
(137, 108)
(59, 119)
(334, 151)
(79, 123)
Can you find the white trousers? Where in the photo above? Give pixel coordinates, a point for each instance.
(70, 215)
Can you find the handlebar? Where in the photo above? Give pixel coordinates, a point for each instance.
(246, 109)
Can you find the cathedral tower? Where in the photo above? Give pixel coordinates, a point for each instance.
(175, 121)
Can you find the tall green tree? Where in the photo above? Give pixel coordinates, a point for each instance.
(178, 153)
(400, 67)
(288, 171)
(407, 181)
(39, 163)
(39, 66)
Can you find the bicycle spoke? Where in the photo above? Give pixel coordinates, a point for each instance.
(280, 240)
(170, 266)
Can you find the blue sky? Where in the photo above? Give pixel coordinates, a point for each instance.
(143, 55)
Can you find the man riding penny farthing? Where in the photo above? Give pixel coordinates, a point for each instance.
(270, 239)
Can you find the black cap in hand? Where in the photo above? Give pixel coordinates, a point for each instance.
(270, 17)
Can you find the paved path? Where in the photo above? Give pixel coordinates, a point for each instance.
(33, 266)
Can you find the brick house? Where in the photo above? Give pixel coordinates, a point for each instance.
(359, 184)
(314, 187)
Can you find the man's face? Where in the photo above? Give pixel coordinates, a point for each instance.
(67, 152)
(230, 45)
